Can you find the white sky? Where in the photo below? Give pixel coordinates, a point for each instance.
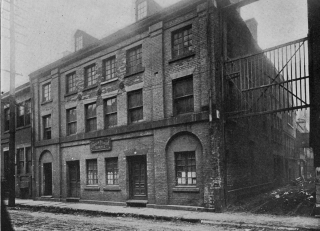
(49, 25)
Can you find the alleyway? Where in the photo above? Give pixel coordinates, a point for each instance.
(24, 220)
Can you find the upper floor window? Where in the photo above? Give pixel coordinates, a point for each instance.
(23, 113)
(112, 171)
(6, 119)
(90, 75)
(183, 95)
(47, 127)
(109, 68)
(71, 82)
(79, 43)
(135, 106)
(185, 168)
(28, 160)
(20, 161)
(110, 107)
(91, 117)
(142, 10)
(134, 59)
(182, 41)
(92, 172)
(46, 92)
(71, 121)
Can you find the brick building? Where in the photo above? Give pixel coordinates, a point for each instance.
(134, 117)
(23, 151)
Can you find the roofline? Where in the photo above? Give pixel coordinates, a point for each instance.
(121, 34)
(18, 89)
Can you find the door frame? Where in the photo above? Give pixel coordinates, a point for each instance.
(77, 163)
(44, 180)
(131, 159)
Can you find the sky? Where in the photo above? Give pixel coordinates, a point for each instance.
(45, 28)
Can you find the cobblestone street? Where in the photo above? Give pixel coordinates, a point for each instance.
(39, 221)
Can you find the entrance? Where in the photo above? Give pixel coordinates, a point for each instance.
(138, 177)
(47, 179)
(74, 179)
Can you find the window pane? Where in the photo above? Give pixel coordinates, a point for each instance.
(92, 172)
(112, 171)
(90, 76)
(27, 112)
(110, 69)
(134, 60)
(183, 96)
(182, 41)
(28, 159)
(185, 168)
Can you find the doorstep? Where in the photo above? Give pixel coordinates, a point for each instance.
(137, 203)
(72, 199)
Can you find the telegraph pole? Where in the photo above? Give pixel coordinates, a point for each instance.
(11, 180)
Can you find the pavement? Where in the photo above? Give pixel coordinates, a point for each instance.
(229, 219)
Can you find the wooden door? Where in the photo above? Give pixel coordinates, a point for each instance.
(138, 178)
(47, 175)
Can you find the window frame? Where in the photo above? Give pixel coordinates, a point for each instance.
(108, 114)
(93, 171)
(46, 129)
(20, 117)
(44, 98)
(88, 119)
(134, 60)
(28, 166)
(142, 10)
(114, 167)
(79, 43)
(71, 123)
(111, 67)
(72, 89)
(186, 50)
(92, 75)
(134, 108)
(178, 99)
(20, 161)
(186, 166)
(27, 112)
(6, 119)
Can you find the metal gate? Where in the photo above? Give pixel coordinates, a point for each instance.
(273, 80)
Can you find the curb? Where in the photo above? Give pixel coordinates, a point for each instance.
(57, 209)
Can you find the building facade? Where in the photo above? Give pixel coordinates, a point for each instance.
(134, 117)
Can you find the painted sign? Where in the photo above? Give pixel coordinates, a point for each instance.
(100, 145)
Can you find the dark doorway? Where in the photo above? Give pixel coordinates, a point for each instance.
(47, 179)
(138, 177)
(74, 179)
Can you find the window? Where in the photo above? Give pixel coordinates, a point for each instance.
(182, 42)
(135, 106)
(6, 164)
(71, 121)
(185, 168)
(27, 111)
(47, 127)
(20, 161)
(142, 10)
(6, 119)
(91, 117)
(90, 76)
(20, 115)
(71, 83)
(46, 92)
(92, 172)
(183, 95)
(79, 43)
(110, 107)
(109, 68)
(28, 160)
(134, 60)
(112, 171)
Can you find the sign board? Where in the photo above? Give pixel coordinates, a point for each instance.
(99, 145)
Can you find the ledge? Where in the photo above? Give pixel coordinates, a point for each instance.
(90, 87)
(186, 189)
(92, 188)
(134, 73)
(180, 57)
(111, 188)
(109, 81)
(23, 127)
(70, 93)
(46, 102)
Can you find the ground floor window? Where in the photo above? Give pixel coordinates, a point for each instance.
(185, 168)
(112, 171)
(92, 172)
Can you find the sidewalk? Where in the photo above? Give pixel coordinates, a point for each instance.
(234, 219)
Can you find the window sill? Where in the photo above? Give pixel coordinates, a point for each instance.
(70, 93)
(186, 189)
(90, 87)
(6, 132)
(109, 81)
(22, 127)
(180, 57)
(111, 188)
(45, 102)
(136, 72)
(92, 188)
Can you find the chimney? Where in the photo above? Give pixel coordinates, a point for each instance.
(252, 24)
